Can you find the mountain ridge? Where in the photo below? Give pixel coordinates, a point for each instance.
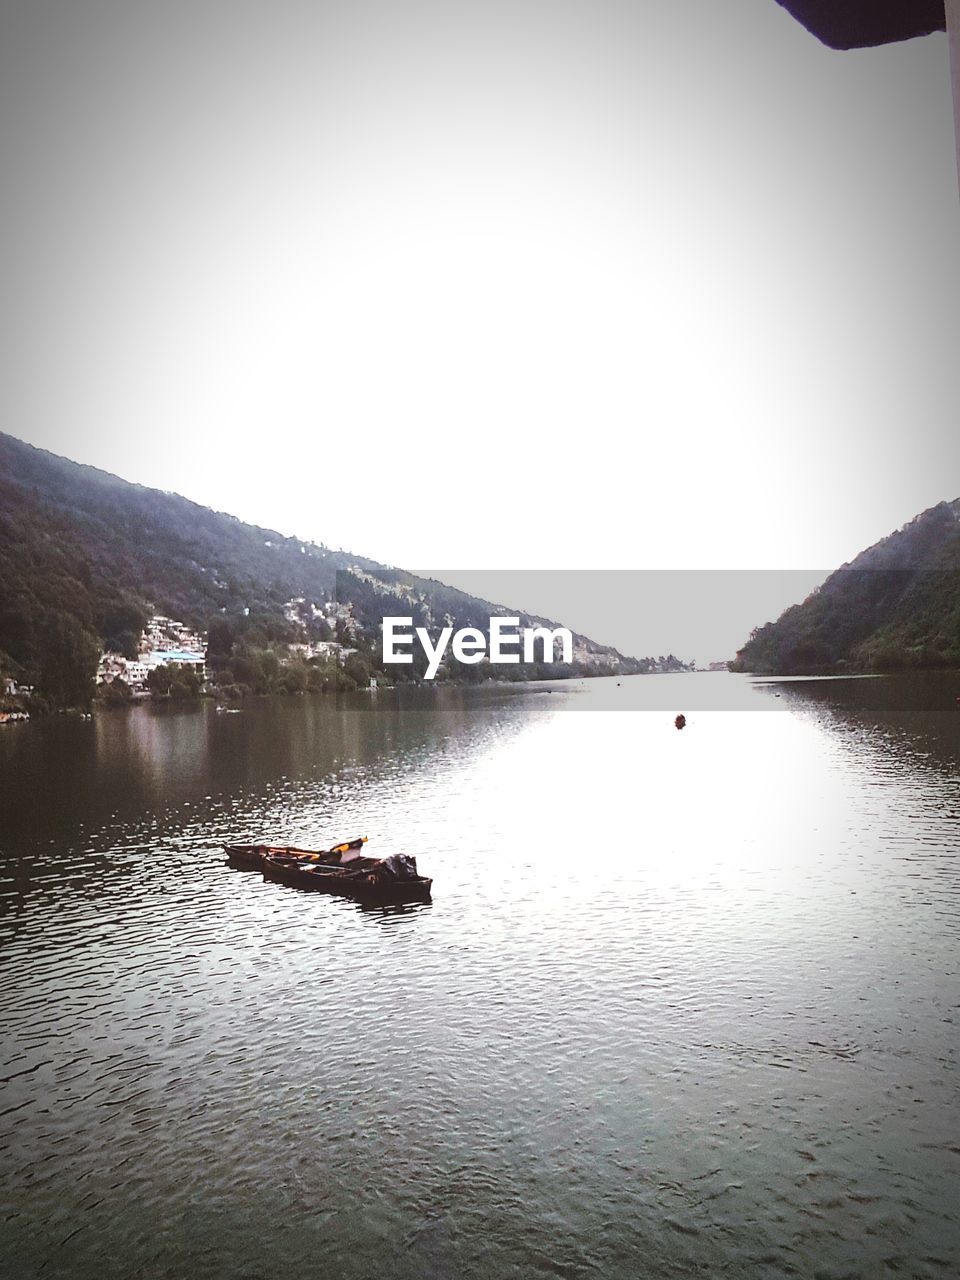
(86, 556)
(895, 606)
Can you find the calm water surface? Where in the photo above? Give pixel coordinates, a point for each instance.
(684, 1003)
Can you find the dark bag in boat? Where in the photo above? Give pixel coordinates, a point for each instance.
(400, 866)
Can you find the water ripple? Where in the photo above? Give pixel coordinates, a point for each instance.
(682, 1004)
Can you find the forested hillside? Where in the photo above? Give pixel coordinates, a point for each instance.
(85, 557)
(897, 605)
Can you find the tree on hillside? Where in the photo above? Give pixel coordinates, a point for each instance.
(115, 692)
(68, 662)
(174, 680)
(120, 621)
(220, 638)
(357, 667)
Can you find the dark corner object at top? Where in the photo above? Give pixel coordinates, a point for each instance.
(858, 24)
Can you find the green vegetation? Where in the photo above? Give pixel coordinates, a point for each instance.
(117, 693)
(895, 607)
(67, 661)
(176, 681)
(264, 672)
(86, 557)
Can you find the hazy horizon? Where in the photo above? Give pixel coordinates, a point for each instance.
(705, 615)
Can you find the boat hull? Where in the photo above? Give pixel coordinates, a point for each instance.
(362, 886)
(364, 879)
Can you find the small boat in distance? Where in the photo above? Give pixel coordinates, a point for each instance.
(343, 870)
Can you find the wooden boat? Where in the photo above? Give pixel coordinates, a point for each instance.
(365, 879)
(249, 857)
(342, 869)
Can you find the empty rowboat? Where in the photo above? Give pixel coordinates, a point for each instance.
(343, 870)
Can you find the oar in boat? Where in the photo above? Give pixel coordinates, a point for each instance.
(337, 850)
(347, 845)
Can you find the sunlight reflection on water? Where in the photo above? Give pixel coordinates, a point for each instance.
(683, 1003)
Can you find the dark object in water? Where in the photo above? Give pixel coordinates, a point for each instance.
(342, 870)
(680, 721)
(249, 857)
(393, 879)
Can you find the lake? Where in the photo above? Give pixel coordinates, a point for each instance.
(683, 1004)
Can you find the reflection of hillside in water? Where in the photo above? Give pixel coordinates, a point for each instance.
(906, 718)
(121, 765)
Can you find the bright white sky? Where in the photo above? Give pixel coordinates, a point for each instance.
(486, 285)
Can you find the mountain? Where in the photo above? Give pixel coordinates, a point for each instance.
(897, 605)
(86, 557)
